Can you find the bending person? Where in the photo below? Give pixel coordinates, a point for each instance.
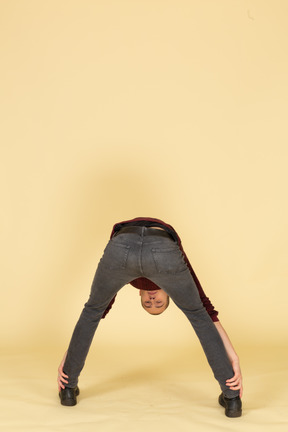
(148, 254)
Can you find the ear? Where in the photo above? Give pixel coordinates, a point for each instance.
(139, 292)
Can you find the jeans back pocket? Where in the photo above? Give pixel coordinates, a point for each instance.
(115, 255)
(169, 260)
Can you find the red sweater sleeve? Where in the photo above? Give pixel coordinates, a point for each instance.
(205, 300)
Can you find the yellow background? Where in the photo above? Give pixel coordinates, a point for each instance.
(116, 109)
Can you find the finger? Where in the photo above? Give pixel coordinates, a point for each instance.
(235, 387)
(63, 380)
(60, 384)
(236, 384)
(60, 371)
(234, 378)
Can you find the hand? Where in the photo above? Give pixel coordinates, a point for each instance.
(235, 383)
(61, 379)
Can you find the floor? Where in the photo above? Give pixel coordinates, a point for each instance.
(141, 389)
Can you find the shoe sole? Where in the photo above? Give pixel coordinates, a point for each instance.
(68, 402)
(233, 415)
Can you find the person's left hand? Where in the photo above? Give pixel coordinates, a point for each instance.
(235, 383)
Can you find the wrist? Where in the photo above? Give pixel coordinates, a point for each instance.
(234, 359)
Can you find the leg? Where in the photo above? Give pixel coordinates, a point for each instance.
(110, 277)
(174, 277)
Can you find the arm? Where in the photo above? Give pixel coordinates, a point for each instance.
(61, 376)
(234, 383)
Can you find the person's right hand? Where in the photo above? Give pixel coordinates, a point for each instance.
(235, 383)
(62, 377)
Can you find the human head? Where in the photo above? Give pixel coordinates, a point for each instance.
(154, 302)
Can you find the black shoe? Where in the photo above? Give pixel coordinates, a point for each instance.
(233, 407)
(68, 396)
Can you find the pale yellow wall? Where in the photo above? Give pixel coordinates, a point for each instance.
(117, 109)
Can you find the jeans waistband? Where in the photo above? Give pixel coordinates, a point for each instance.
(147, 231)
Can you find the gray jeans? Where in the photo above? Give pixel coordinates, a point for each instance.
(129, 256)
